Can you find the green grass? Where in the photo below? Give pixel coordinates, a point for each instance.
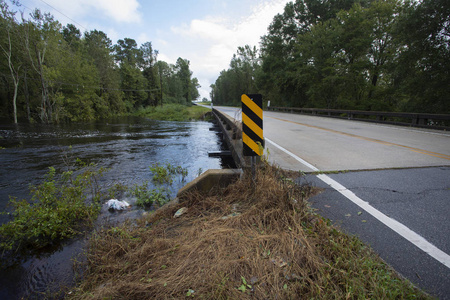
(173, 112)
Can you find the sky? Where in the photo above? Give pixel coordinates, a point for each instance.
(205, 32)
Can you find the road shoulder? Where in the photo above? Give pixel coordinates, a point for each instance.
(373, 186)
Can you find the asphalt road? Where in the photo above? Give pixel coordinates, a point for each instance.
(334, 144)
(417, 198)
(395, 195)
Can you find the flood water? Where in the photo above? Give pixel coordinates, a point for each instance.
(127, 146)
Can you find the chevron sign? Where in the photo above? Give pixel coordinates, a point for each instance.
(252, 124)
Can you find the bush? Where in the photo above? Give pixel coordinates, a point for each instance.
(162, 176)
(165, 174)
(147, 197)
(56, 210)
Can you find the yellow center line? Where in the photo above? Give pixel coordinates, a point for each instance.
(417, 150)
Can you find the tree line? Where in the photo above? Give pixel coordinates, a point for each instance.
(387, 55)
(52, 73)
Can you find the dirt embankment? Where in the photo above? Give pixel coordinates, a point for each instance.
(256, 239)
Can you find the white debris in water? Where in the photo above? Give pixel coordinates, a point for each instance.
(115, 204)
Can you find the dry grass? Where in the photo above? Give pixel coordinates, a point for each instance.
(276, 248)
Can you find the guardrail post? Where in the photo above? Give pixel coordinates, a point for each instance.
(422, 121)
(417, 120)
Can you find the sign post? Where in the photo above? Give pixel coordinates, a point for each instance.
(252, 127)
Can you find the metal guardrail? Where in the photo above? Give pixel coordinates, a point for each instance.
(423, 120)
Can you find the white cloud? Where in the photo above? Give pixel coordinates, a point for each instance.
(119, 10)
(126, 11)
(112, 34)
(167, 59)
(162, 42)
(219, 39)
(142, 38)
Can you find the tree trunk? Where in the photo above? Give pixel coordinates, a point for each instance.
(14, 73)
(374, 84)
(46, 109)
(16, 85)
(27, 96)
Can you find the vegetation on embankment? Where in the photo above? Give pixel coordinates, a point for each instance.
(67, 204)
(256, 239)
(174, 112)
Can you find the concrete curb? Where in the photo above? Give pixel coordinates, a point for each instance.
(210, 179)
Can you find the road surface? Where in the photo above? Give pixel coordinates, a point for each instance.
(334, 144)
(395, 197)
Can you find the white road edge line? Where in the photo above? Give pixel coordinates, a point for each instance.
(303, 162)
(396, 226)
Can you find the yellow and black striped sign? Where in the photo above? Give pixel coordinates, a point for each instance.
(252, 124)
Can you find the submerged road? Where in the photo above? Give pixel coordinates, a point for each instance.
(395, 197)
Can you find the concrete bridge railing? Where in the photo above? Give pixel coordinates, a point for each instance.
(232, 134)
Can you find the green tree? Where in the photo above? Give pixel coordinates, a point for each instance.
(424, 61)
(317, 69)
(11, 50)
(345, 61)
(126, 51)
(382, 52)
(279, 79)
(150, 72)
(66, 76)
(42, 40)
(98, 49)
(184, 75)
(354, 41)
(133, 82)
(76, 89)
(165, 72)
(238, 79)
(133, 86)
(72, 36)
(193, 89)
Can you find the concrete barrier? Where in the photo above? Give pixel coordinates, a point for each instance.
(210, 179)
(232, 134)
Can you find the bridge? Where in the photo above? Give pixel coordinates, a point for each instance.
(389, 185)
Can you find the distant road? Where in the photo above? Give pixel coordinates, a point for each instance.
(397, 199)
